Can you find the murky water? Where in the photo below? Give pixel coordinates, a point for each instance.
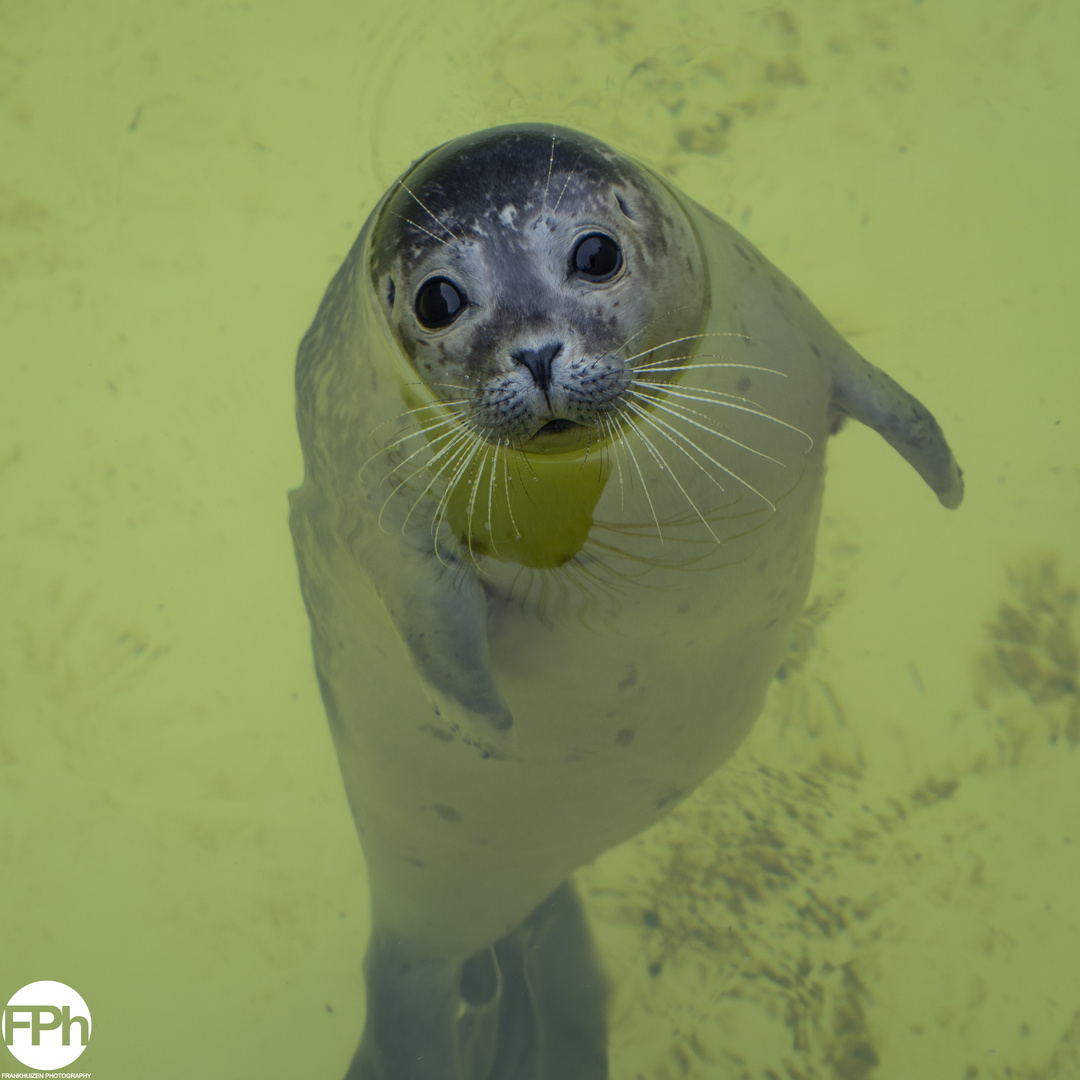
(883, 882)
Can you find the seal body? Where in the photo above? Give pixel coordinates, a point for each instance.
(564, 437)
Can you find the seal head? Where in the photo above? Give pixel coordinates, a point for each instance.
(525, 275)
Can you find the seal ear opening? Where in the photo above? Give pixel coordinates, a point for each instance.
(873, 398)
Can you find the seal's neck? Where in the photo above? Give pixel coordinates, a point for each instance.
(532, 509)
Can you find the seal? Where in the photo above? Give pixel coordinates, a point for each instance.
(564, 436)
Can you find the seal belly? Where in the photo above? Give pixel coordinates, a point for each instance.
(623, 702)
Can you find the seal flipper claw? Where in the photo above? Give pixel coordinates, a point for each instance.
(874, 399)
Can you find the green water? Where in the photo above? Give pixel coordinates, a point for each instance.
(883, 883)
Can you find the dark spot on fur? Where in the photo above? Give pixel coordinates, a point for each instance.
(744, 384)
(630, 679)
(447, 813)
(624, 736)
(814, 349)
(655, 969)
(651, 919)
(436, 733)
(414, 862)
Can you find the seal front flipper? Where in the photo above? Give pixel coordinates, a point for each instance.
(868, 394)
(441, 613)
(438, 609)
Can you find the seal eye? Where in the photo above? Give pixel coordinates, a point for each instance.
(438, 303)
(596, 257)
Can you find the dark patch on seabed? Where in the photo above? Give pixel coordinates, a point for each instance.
(739, 891)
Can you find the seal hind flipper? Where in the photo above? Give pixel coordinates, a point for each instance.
(412, 1012)
(560, 988)
(874, 399)
(531, 1007)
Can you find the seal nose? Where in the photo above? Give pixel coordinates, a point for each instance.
(539, 362)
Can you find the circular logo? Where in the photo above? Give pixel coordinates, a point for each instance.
(46, 1025)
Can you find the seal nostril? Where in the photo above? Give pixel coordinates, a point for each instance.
(539, 362)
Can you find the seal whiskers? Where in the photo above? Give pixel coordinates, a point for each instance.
(434, 217)
(687, 414)
(662, 462)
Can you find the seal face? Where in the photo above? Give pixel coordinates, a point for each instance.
(525, 275)
(504, 394)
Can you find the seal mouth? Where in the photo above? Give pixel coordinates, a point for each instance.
(558, 436)
(556, 427)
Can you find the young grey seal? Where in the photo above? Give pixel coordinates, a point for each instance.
(564, 436)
